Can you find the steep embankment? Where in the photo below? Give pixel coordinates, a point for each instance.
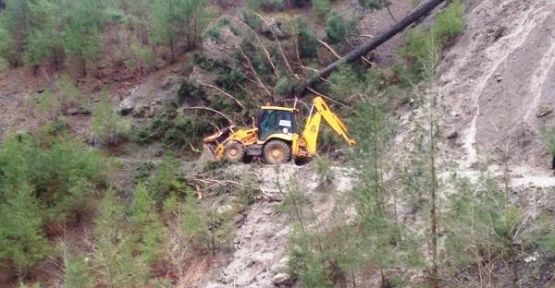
(260, 256)
(497, 78)
(494, 81)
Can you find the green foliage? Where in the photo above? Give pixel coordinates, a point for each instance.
(283, 87)
(321, 8)
(273, 5)
(449, 23)
(423, 45)
(190, 220)
(77, 272)
(324, 169)
(167, 180)
(345, 83)
(254, 5)
(482, 219)
(247, 190)
(178, 130)
(62, 30)
(250, 18)
(22, 243)
(14, 29)
(51, 103)
(62, 176)
(82, 35)
(113, 258)
(190, 93)
(107, 124)
(45, 105)
(549, 137)
(337, 27)
(146, 225)
(306, 37)
(179, 19)
(372, 4)
(307, 257)
(141, 56)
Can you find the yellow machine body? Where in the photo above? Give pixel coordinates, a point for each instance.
(280, 143)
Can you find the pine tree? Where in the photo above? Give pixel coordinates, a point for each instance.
(146, 225)
(113, 253)
(176, 19)
(82, 34)
(76, 272)
(306, 38)
(22, 243)
(107, 125)
(15, 21)
(45, 39)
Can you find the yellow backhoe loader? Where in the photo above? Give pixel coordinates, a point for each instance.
(275, 138)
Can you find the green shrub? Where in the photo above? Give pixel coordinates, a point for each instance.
(307, 41)
(321, 8)
(247, 190)
(283, 87)
(449, 23)
(146, 225)
(324, 169)
(140, 56)
(418, 51)
(177, 130)
(372, 4)
(113, 258)
(107, 125)
(51, 131)
(50, 104)
(423, 45)
(77, 272)
(62, 176)
(190, 219)
(22, 242)
(549, 137)
(46, 106)
(190, 93)
(254, 5)
(4, 65)
(337, 28)
(273, 5)
(167, 180)
(250, 18)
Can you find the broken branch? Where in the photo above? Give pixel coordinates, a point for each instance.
(260, 83)
(209, 109)
(224, 93)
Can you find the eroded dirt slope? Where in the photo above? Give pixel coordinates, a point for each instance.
(498, 78)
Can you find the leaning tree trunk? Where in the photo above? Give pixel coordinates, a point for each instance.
(419, 12)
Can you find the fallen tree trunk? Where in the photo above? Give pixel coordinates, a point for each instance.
(419, 12)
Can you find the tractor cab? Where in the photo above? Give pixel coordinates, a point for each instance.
(274, 120)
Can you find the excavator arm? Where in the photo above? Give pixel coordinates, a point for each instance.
(320, 110)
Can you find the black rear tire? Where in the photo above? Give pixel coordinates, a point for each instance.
(276, 152)
(234, 151)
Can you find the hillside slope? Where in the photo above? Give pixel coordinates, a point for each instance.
(496, 79)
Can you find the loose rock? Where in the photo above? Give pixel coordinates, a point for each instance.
(282, 279)
(544, 111)
(126, 106)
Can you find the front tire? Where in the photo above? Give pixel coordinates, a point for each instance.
(234, 151)
(276, 152)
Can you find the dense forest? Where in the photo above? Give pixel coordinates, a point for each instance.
(102, 193)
